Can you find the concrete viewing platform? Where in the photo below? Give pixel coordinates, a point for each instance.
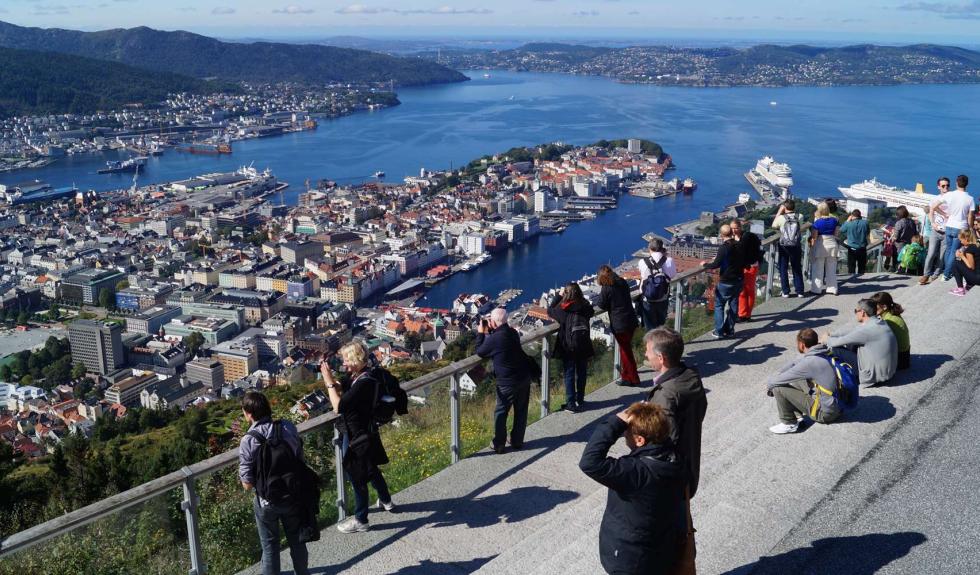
(891, 488)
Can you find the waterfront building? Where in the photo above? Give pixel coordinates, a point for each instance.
(514, 228)
(472, 244)
(544, 201)
(149, 321)
(97, 345)
(532, 225)
(87, 285)
(208, 371)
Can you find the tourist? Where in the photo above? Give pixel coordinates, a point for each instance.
(965, 264)
(497, 341)
(789, 224)
(823, 251)
(643, 525)
(574, 342)
(805, 386)
(269, 515)
(616, 299)
(362, 449)
(658, 263)
(891, 312)
(750, 247)
(728, 262)
(678, 389)
(874, 342)
(959, 217)
(902, 232)
(856, 233)
(912, 256)
(935, 220)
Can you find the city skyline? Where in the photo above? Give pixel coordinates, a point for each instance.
(895, 21)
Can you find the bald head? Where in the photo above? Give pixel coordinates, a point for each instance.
(725, 231)
(498, 316)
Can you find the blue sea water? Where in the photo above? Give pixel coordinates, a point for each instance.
(830, 137)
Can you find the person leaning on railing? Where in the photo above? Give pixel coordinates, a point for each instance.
(497, 341)
(362, 447)
(615, 298)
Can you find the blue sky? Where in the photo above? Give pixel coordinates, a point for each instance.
(831, 20)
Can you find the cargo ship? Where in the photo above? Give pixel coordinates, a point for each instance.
(206, 148)
(119, 167)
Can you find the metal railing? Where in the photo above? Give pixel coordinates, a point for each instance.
(186, 478)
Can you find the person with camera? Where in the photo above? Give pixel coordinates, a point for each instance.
(574, 342)
(362, 447)
(501, 344)
(644, 525)
(270, 514)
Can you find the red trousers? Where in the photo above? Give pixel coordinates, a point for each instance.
(626, 360)
(746, 299)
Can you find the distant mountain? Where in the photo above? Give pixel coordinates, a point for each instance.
(203, 57)
(763, 65)
(48, 83)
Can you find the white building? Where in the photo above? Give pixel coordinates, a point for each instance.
(544, 201)
(472, 244)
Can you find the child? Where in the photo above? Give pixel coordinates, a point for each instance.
(912, 257)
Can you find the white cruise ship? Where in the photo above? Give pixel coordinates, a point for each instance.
(775, 173)
(893, 197)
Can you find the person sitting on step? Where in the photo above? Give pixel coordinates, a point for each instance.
(874, 342)
(891, 312)
(804, 387)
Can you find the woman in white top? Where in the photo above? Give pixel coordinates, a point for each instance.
(654, 312)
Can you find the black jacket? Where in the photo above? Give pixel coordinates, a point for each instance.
(680, 392)
(616, 299)
(646, 513)
(356, 406)
(562, 315)
(503, 347)
(750, 247)
(728, 262)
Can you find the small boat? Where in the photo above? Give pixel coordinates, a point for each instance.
(486, 75)
(379, 174)
(774, 103)
(118, 167)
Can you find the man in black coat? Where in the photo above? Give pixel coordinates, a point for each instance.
(728, 262)
(750, 247)
(497, 341)
(645, 519)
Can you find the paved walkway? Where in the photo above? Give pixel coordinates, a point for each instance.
(534, 512)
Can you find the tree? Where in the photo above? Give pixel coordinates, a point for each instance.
(123, 284)
(78, 370)
(106, 297)
(5, 373)
(413, 342)
(193, 342)
(27, 380)
(54, 312)
(23, 317)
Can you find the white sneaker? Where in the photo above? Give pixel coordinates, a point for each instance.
(389, 507)
(784, 295)
(352, 525)
(784, 428)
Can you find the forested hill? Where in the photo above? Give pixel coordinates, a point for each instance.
(203, 57)
(34, 83)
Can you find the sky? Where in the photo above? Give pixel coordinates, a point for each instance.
(887, 21)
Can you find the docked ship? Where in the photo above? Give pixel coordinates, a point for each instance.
(892, 196)
(34, 191)
(689, 186)
(119, 167)
(206, 148)
(778, 175)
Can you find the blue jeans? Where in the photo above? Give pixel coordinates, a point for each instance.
(952, 244)
(791, 256)
(726, 307)
(654, 313)
(576, 373)
(377, 480)
(267, 520)
(516, 396)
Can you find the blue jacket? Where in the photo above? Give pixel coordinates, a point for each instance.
(503, 347)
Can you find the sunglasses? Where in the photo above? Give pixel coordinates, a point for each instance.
(943, 185)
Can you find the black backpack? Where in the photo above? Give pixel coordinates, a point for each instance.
(657, 285)
(389, 397)
(577, 336)
(282, 478)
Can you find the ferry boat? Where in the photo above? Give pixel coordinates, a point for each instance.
(118, 167)
(892, 196)
(779, 175)
(689, 186)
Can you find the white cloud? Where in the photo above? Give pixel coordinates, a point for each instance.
(361, 9)
(441, 10)
(223, 10)
(293, 9)
(967, 11)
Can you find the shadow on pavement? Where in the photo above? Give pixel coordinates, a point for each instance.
(870, 409)
(923, 367)
(427, 567)
(859, 555)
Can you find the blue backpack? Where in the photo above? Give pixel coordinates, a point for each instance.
(848, 389)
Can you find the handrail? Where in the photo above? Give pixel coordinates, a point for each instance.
(184, 477)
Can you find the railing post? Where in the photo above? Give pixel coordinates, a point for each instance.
(545, 378)
(770, 270)
(617, 365)
(806, 261)
(338, 454)
(189, 505)
(880, 256)
(454, 442)
(679, 306)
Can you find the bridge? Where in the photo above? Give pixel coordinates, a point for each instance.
(890, 488)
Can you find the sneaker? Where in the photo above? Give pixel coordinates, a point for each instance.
(389, 507)
(958, 291)
(946, 279)
(352, 525)
(716, 335)
(569, 407)
(784, 428)
(785, 295)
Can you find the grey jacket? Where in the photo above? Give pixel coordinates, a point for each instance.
(877, 349)
(811, 366)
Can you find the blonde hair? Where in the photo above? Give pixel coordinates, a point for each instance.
(354, 353)
(725, 231)
(966, 237)
(823, 210)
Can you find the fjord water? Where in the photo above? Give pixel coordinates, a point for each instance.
(830, 137)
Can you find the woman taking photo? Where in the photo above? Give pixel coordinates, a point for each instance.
(823, 251)
(574, 343)
(362, 448)
(615, 298)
